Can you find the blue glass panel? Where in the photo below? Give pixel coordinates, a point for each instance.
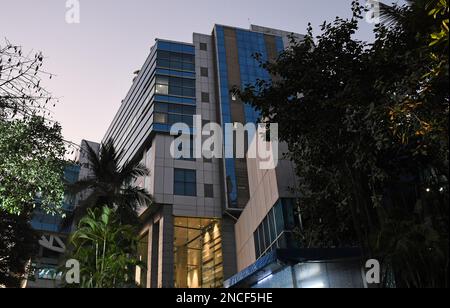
(190, 176)
(178, 175)
(169, 72)
(161, 127)
(162, 98)
(178, 189)
(188, 49)
(161, 107)
(164, 46)
(190, 189)
(279, 218)
(183, 100)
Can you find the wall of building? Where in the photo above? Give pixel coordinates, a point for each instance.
(160, 183)
(266, 188)
(226, 58)
(285, 35)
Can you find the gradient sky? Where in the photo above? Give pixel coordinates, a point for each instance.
(94, 61)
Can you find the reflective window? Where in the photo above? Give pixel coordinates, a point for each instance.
(174, 113)
(185, 182)
(177, 86)
(48, 272)
(175, 61)
(276, 230)
(141, 272)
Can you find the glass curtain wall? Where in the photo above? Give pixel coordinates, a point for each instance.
(198, 253)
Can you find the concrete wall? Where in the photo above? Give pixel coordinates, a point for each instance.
(266, 188)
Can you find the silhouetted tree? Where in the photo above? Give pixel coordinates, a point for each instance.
(111, 185)
(367, 126)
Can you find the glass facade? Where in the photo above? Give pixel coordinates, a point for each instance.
(170, 114)
(282, 279)
(52, 223)
(167, 85)
(248, 44)
(166, 78)
(141, 271)
(230, 167)
(175, 91)
(276, 230)
(198, 260)
(175, 61)
(315, 275)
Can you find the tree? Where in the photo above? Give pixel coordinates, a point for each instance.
(21, 91)
(31, 146)
(105, 250)
(17, 245)
(111, 185)
(31, 165)
(367, 126)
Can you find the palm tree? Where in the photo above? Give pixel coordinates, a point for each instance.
(413, 16)
(111, 185)
(105, 249)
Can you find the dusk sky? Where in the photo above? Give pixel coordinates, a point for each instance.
(94, 60)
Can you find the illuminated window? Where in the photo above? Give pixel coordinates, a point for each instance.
(141, 272)
(198, 253)
(160, 118)
(176, 86)
(162, 89)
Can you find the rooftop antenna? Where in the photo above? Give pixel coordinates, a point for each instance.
(249, 23)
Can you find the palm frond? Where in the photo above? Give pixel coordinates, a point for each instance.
(132, 171)
(111, 185)
(81, 185)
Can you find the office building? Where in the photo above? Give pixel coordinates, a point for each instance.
(212, 218)
(46, 265)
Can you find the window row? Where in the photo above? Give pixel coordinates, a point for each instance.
(172, 113)
(175, 56)
(276, 229)
(174, 108)
(171, 119)
(175, 47)
(176, 61)
(166, 85)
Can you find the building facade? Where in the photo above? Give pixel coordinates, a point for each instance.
(53, 235)
(52, 240)
(211, 218)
